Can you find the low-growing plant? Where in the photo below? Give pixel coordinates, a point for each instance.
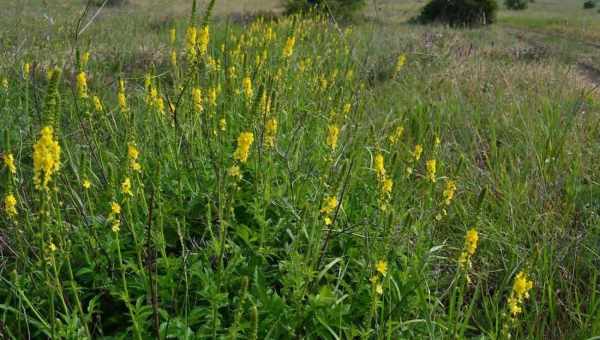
(516, 4)
(459, 12)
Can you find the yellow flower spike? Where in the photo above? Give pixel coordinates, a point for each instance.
(379, 166)
(174, 59)
(197, 99)
(223, 124)
(126, 187)
(190, 40)
(469, 248)
(52, 247)
(26, 70)
(288, 49)
(82, 89)
(520, 292)
(418, 152)
(449, 191)
(115, 208)
(270, 132)
(5, 83)
(333, 133)
(395, 137)
(133, 154)
(9, 162)
(10, 205)
(431, 170)
(203, 40)
(245, 140)
(382, 267)
(235, 172)
(97, 103)
(85, 58)
(86, 184)
(247, 87)
(46, 158)
(399, 64)
(212, 96)
(329, 205)
(387, 186)
(379, 288)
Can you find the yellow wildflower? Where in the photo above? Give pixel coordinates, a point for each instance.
(26, 70)
(86, 184)
(121, 97)
(212, 96)
(82, 85)
(52, 247)
(247, 87)
(5, 83)
(174, 58)
(519, 293)
(332, 136)
(126, 187)
(133, 154)
(288, 49)
(190, 39)
(431, 169)
(235, 172)
(197, 99)
(85, 58)
(382, 267)
(97, 103)
(386, 186)
(379, 166)
(449, 191)
(270, 132)
(10, 205)
(203, 39)
(223, 124)
(396, 135)
(245, 140)
(379, 288)
(399, 64)
(418, 151)
(46, 158)
(115, 208)
(9, 162)
(329, 205)
(471, 240)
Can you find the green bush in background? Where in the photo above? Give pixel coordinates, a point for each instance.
(459, 12)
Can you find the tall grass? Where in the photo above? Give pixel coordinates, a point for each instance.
(289, 180)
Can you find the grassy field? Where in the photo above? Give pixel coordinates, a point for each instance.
(167, 176)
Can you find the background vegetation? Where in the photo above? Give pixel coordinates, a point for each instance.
(304, 238)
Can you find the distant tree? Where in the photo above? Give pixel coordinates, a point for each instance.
(459, 12)
(516, 4)
(589, 4)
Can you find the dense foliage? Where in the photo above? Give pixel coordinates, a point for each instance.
(516, 4)
(459, 12)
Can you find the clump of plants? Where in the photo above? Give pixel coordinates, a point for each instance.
(341, 8)
(589, 4)
(516, 4)
(459, 12)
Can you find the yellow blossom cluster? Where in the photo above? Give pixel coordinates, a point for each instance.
(329, 206)
(386, 184)
(520, 292)
(46, 158)
(471, 241)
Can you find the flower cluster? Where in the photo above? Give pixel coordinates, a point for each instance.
(386, 184)
(520, 292)
(381, 268)
(46, 158)
(133, 154)
(471, 240)
(244, 142)
(330, 204)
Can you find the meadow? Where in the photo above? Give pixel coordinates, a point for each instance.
(171, 171)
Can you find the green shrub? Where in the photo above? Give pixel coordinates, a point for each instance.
(343, 8)
(516, 4)
(459, 12)
(589, 4)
